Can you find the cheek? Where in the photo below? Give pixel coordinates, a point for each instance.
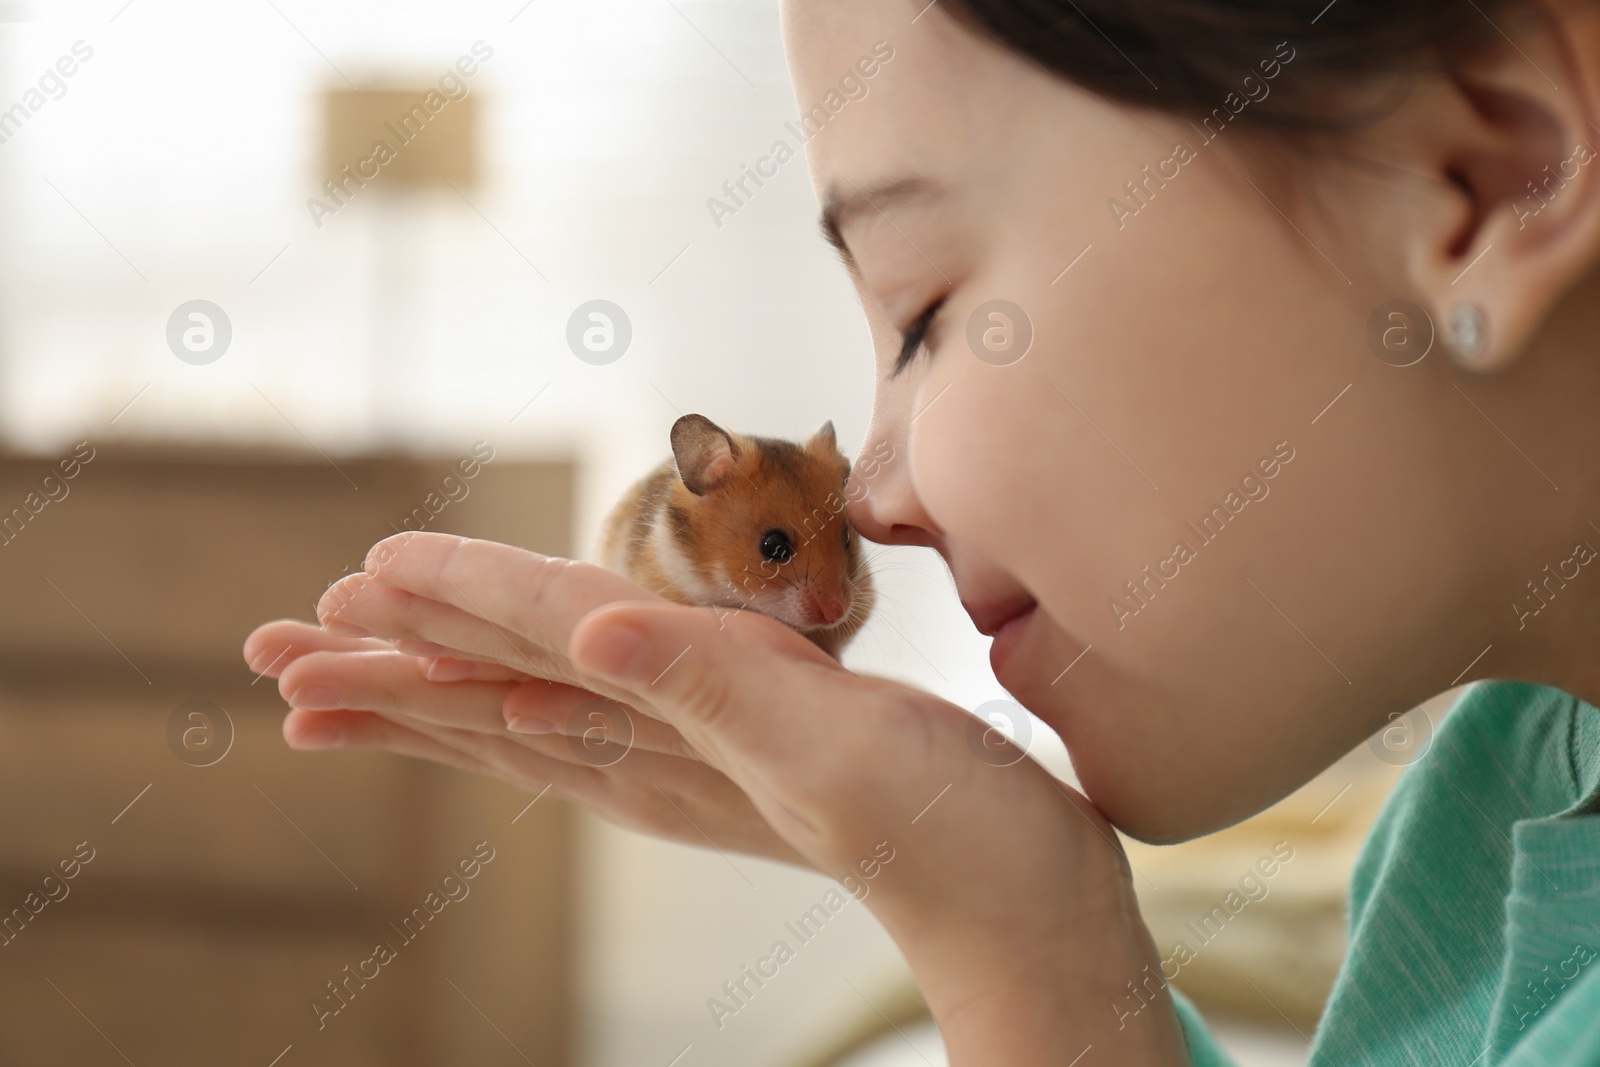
(1170, 360)
(1011, 474)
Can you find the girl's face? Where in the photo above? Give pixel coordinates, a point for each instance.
(1241, 528)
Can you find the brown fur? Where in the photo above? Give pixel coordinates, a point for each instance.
(714, 557)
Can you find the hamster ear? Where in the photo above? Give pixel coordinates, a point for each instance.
(705, 453)
(824, 438)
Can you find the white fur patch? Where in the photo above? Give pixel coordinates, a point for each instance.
(677, 568)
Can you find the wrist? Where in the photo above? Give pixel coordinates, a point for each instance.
(1015, 994)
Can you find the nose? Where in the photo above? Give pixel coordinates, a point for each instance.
(882, 503)
(824, 607)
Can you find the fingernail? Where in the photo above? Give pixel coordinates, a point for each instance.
(422, 648)
(619, 653)
(345, 629)
(315, 698)
(531, 725)
(446, 670)
(320, 739)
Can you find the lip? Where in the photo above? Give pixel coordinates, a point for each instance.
(1008, 637)
(990, 616)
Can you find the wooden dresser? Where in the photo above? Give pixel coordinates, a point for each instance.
(227, 887)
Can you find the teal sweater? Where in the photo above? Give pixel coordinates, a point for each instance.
(1474, 920)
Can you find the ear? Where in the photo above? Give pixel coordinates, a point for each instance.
(704, 452)
(1508, 140)
(823, 440)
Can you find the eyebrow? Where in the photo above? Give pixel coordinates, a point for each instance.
(843, 209)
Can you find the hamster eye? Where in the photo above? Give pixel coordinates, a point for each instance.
(847, 535)
(775, 546)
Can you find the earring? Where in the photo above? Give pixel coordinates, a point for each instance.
(1468, 334)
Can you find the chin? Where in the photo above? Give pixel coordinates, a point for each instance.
(1161, 807)
(1161, 827)
(1152, 782)
(1129, 810)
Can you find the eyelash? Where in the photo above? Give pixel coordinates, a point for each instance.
(913, 336)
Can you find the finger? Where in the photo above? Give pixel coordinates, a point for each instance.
(717, 684)
(431, 628)
(539, 598)
(416, 623)
(272, 646)
(499, 757)
(421, 649)
(541, 707)
(314, 730)
(805, 740)
(391, 684)
(441, 668)
(441, 664)
(677, 799)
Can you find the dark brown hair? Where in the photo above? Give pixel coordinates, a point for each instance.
(1187, 56)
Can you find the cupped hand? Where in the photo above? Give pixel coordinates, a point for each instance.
(1003, 887)
(362, 693)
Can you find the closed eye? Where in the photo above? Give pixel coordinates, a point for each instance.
(914, 335)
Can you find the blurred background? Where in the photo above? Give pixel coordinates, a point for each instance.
(260, 344)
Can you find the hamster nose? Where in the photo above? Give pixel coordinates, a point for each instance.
(824, 607)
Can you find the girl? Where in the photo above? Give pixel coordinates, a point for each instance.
(1238, 359)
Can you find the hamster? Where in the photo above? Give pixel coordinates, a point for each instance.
(747, 522)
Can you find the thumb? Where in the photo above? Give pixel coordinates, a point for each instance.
(703, 674)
